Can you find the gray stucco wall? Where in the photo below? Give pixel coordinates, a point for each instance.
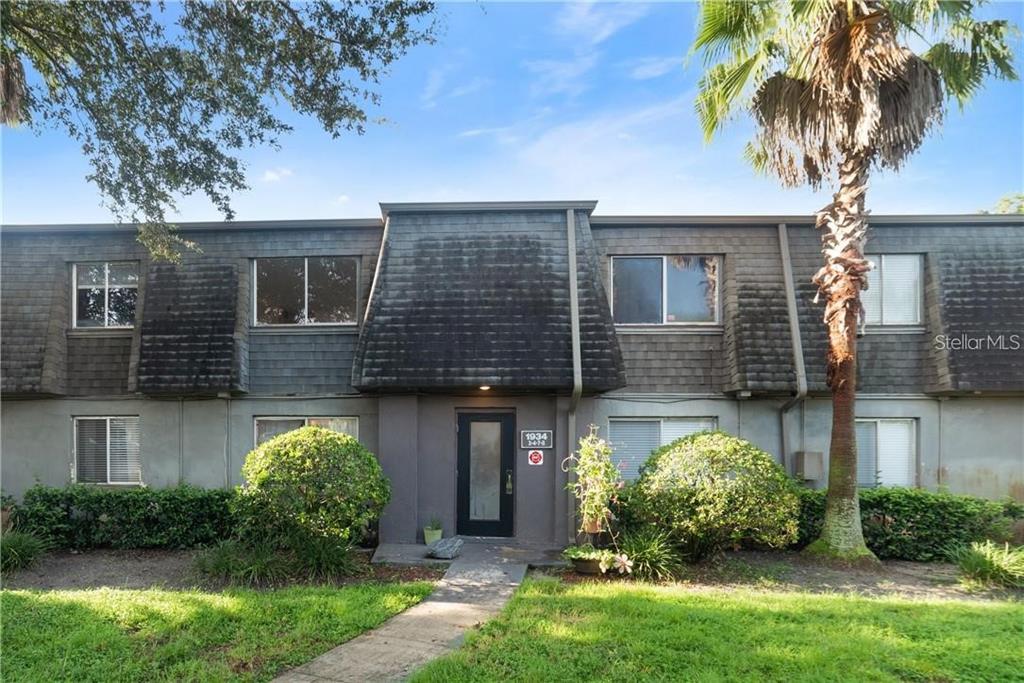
(201, 442)
(418, 439)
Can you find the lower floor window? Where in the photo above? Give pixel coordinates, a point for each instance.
(632, 440)
(269, 427)
(886, 452)
(107, 450)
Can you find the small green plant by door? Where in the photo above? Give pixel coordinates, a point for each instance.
(432, 532)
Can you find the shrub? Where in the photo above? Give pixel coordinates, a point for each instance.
(19, 549)
(711, 491)
(86, 516)
(310, 484)
(654, 556)
(913, 524)
(990, 563)
(258, 564)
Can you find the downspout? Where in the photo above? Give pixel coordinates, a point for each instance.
(227, 443)
(796, 343)
(377, 267)
(577, 361)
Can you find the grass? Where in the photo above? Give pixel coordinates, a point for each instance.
(627, 631)
(164, 635)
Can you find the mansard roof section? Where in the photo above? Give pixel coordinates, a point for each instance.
(472, 295)
(193, 330)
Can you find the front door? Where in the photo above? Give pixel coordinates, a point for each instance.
(486, 482)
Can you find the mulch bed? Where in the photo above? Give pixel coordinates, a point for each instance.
(171, 569)
(791, 571)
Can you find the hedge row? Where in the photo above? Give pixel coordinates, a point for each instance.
(83, 516)
(913, 524)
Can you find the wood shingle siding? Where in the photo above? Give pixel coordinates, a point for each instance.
(482, 298)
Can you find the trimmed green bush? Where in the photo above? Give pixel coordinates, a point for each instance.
(86, 516)
(913, 524)
(308, 485)
(19, 549)
(711, 491)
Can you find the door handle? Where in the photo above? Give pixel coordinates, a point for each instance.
(508, 482)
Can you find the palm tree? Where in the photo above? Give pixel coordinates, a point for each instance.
(837, 90)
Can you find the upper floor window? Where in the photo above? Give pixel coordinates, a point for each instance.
(300, 290)
(269, 427)
(107, 450)
(665, 290)
(893, 296)
(633, 439)
(886, 452)
(105, 293)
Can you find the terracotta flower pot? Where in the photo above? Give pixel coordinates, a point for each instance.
(592, 526)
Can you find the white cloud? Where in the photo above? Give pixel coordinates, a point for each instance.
(553, 76)
(432, 89)
(342, 199)
(273, 175)
(652, 67)
(597, 23)
(473, 86)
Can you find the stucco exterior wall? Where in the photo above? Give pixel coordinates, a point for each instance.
(419, 452)
(201, 442)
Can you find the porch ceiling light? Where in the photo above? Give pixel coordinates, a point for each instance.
(485, 388)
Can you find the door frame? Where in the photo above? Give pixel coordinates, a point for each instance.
(504, 526)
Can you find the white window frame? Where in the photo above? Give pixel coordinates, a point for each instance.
(74, 448)
(879, 261)
(664, 291)
(305, 297)
(914, 464)
(305, 422)
(106, 296)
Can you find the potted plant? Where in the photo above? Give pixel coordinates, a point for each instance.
(432, 531)
(6, 511)
(595, 481)
(586, 559)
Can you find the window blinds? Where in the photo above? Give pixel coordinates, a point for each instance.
(107, 450)
(633, 440)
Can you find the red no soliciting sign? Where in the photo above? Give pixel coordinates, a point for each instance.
(535, 457)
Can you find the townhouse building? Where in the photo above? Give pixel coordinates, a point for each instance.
(470, 345)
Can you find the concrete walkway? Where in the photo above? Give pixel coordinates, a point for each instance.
(474, 589)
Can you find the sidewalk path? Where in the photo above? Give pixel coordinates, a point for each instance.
(473, 590)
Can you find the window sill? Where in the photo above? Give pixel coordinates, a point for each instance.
(894, 329)
(101, 331)
(340, 328)
(680, 329)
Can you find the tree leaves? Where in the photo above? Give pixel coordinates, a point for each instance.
(162, 98)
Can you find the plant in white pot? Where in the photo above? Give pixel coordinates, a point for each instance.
(432, 532)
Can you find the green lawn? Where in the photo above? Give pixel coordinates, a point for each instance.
(623, 631)
(158, 635)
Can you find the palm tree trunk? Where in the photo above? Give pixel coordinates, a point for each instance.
(841, 279)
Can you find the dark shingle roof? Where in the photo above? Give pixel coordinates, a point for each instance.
(188, 343)
(981, 311)
(465, 299)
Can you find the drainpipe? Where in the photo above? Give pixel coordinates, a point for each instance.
(377, 267)
(797, 345)
(227, 442)
(577, 361)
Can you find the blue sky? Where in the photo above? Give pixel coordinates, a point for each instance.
(546, 101)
